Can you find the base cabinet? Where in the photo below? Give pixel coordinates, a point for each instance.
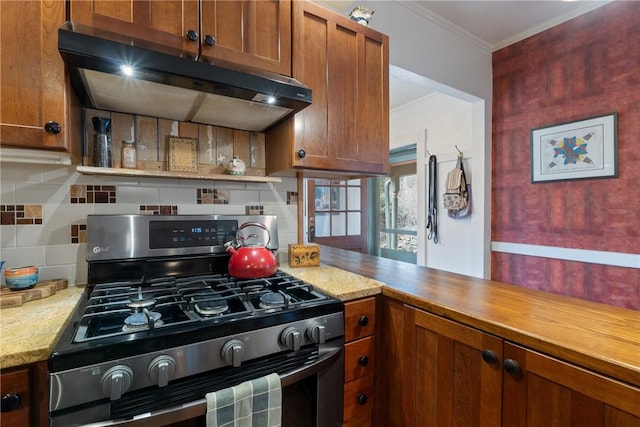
(359, 362)
(541, 391)
(450, 375)
(24, 393)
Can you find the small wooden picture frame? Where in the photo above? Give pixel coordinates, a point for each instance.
(182, 154)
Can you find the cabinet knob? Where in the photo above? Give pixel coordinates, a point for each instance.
(362, 399)
(302, 154)
(10, 401)
(512, 367)
(53, 128)
(363, 320)
(363, 361)
(192, 35)
(209, 40)
(489, 356)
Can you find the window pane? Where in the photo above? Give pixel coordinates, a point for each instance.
(408, 203)
(353, 223)
(322, 198)
(354, 198)
(338, 198)
(338, 224)
(323, 225)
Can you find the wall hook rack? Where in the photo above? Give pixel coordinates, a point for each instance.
(459, 152)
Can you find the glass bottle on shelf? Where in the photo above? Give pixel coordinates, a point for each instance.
(102, 142)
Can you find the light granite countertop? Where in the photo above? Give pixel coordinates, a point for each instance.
(29, 332)
(338, 283)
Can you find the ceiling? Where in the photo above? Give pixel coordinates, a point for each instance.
(489, 24)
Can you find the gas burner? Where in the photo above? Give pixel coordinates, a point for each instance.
(272, 300)
(141, 303)
(140, 327)
(212, 308)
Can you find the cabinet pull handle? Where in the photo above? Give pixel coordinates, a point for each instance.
(489, 356)
(192, 35)
(209, 40)
(363, 361)
(302, 154)
(10, 402)
(363, 320)
(53, 128)
(512, 367)
(362, 399)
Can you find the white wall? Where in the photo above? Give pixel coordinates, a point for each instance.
(456, 66)
(438, 123)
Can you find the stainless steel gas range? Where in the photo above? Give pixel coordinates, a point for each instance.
(163, 323)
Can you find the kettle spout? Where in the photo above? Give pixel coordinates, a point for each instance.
(231, 249)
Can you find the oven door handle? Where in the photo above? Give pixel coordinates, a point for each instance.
(198, 407)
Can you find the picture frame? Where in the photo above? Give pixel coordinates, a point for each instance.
(581, 149)
(182, 154)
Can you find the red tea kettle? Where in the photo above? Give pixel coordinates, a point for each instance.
(251, 261)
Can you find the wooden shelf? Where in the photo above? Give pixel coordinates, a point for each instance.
(141, 173)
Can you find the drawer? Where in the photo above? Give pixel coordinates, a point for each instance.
(360, 318)
(358, 397)
(359, 358)
(16, 382)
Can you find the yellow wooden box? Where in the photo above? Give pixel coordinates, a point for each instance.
(304, 255)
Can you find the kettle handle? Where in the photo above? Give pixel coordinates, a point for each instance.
(253, 224)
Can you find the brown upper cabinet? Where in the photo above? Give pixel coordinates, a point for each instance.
(250, 33)
(346, 128)
(38, 108)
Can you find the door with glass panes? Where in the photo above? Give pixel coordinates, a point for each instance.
(337, 213)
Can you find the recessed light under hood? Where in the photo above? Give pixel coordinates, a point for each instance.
(174, 87)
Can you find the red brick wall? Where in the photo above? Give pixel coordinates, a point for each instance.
(586, 67)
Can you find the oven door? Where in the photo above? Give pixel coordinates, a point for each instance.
(312, 396)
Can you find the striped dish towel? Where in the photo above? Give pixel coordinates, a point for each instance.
(255, 403)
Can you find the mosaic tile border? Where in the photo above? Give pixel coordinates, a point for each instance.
(92, 193)
(254, 210)
(21, 215)
(212, 196)
(158, 210)
(78, 233)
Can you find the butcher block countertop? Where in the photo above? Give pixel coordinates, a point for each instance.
(600, 337)
(596, 336)
(29, 332)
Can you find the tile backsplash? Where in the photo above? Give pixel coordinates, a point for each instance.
(43, 210)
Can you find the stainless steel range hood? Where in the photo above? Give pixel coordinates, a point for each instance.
(172, 85)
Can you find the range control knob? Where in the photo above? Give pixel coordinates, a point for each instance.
(317, 333)
(117, 381)
(291, 338)
(233, 352)
(161, 370)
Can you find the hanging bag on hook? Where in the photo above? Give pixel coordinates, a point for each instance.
(456, 195)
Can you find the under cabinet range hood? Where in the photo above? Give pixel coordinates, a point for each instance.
(138, 77)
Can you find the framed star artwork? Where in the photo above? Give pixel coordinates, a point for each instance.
(576, 150)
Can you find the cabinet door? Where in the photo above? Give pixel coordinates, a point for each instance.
(540, 391)
(346, 66)
(16, 393)
(34, 111)
(251, 33)
(447, 375)
(166, 23)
